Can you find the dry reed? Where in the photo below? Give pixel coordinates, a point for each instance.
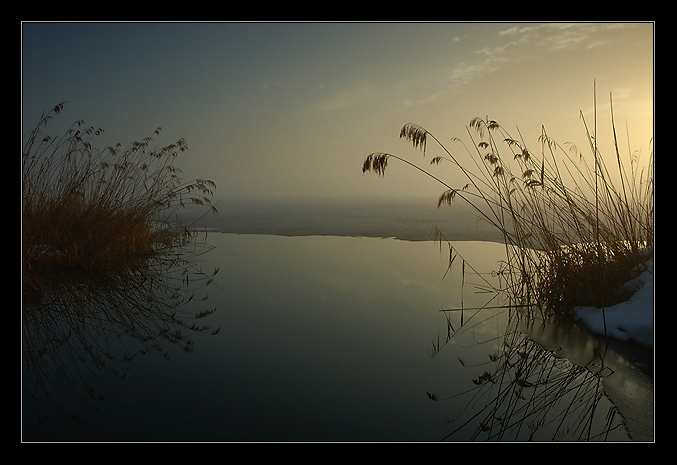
(574, 233)
(91, 209)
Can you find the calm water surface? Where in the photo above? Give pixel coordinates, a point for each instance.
(326, 338)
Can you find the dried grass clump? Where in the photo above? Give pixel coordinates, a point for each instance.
(91, 209)
(574, 232)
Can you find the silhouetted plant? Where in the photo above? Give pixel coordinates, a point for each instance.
(573, 236)
(96, 209)
(108, 261)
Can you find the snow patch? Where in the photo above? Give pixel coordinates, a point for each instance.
(629, 320)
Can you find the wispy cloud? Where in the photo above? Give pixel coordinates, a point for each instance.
(526, 42)
(551, 37)
(462, 73)
(271, 85)
(340, 98)
(511, 45)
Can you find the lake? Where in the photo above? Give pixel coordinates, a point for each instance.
(326, 335)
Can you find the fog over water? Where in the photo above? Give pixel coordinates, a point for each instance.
(409, 220)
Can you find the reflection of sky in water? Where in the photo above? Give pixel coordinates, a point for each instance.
(322, 338)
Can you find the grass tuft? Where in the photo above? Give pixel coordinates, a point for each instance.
(95, 209)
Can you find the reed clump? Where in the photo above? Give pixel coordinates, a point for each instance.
(576, 231)
(95, 209)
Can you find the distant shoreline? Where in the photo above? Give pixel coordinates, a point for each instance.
(399, 237)
(413, 221)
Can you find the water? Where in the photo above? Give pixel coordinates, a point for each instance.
(410, 220)
(321, 338)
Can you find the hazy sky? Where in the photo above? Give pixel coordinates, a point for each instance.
(281, 110)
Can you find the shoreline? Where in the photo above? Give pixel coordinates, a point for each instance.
(412, 220)
(400, 237)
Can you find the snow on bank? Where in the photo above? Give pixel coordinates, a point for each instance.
(630, 320)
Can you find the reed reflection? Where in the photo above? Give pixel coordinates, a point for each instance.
(520, 390)
(84, 325)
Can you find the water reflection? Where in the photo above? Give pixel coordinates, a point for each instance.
(523, 388)
(322, 339)
(626, 368)
(83, 326)
(523, 392)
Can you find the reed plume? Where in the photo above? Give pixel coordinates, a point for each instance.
(573, 235)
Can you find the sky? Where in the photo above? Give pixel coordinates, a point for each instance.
(290, 110)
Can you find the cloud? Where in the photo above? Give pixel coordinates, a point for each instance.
(551, 37)
(462, 73)
(271, 85)
(528, 42)
(349, 96)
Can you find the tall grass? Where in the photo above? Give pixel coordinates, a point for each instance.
(575, 229)
(91, 209)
